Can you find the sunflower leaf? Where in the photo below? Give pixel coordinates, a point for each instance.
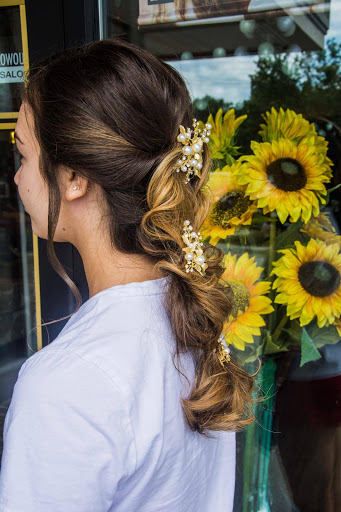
(322, 335)
(250, 354)
(294, 331)
(308, 350)
(270, 347)
(289, 236)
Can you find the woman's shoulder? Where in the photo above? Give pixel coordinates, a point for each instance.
(119, 358)
(64, 376)
(126, 340)
(66, 415)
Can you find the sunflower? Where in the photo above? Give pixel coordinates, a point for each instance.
(284, 177)
(249, 302)
(322, 229)
(230, 207)
(285, 124)
(289, 125)
(309, 282)
(222, 136)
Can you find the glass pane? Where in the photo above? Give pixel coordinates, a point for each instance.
(16, 270)
(11, 59)
(266, 75)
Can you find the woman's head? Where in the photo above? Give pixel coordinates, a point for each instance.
(34, 189)
(107, 115)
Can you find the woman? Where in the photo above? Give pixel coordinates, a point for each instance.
(101, 419)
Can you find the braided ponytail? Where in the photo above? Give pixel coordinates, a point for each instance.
(196, 306)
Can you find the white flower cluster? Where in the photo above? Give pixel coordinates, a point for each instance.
(191, 161)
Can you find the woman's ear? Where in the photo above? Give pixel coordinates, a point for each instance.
(73, 185)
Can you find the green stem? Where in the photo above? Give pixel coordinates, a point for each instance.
(272, 244)
(334, 188)
(279, 328)
(271, 259)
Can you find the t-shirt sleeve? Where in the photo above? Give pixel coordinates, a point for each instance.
(68, 440)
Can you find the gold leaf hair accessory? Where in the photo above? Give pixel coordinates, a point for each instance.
(193, 140)
(194, 254)
(223, 350)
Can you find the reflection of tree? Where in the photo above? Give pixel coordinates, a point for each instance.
(207, 105)
(308, 83)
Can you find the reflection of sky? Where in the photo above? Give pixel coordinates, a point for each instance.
(335, 21)
(224, 77)
(228, 78)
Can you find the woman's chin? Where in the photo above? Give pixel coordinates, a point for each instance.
(41, 233)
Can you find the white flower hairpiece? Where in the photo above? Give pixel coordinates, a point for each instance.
(193, 140)
(194, 254)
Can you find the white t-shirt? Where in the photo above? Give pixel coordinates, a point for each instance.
(95, 423)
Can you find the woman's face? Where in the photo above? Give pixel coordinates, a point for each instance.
(32, 189)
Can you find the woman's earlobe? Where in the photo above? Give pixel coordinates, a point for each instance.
(77, 187)
(70, 195)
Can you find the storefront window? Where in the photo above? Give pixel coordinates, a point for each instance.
(266, 75)
(17, 293)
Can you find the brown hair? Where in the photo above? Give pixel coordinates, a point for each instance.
(111, 110)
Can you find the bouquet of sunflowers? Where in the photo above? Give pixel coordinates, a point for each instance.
(282, 252)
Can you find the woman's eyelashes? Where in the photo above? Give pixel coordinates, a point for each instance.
(17, 152)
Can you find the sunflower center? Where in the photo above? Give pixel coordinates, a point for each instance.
(319, 278)
(232, 204)
(241, 298)
(287, 174)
